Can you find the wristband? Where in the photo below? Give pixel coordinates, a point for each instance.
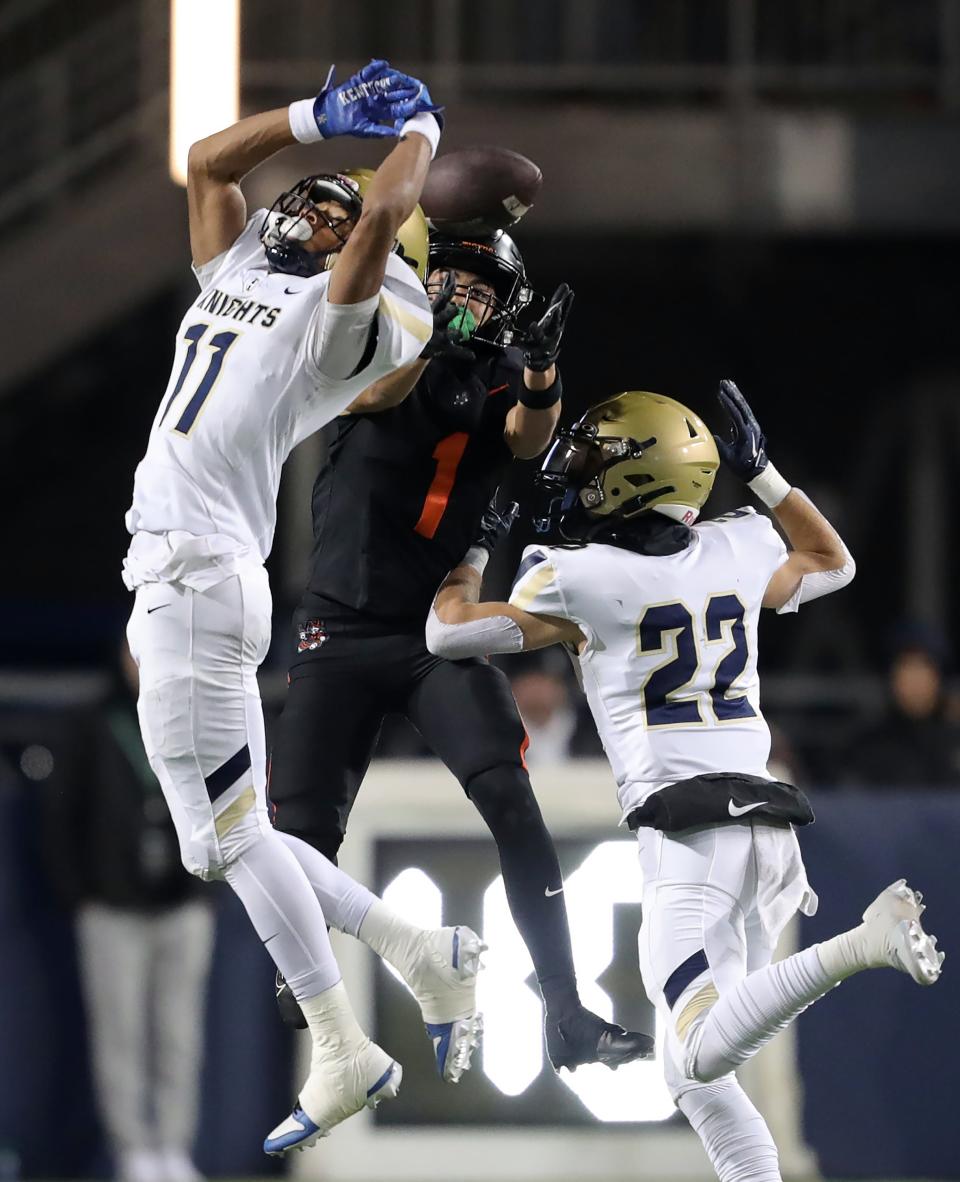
(303, 122)
(769, 486)
(426, 124)
(541, 399)
(477, 557)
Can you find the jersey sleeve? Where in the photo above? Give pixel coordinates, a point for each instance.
(372, 338)
(542, 586)
(760, 545)
(246, 246)
(536, 587)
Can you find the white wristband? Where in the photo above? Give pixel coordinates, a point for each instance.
(427, 126)
(477, 557)
(769, 486)
(303, 124)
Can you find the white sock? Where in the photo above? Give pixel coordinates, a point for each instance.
(844, 955)
(332, 1022)
(344, 901)
(285, 912)
(748, 1016)
(734, 1135)
(391, 937)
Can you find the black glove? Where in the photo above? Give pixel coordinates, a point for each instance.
(542, 345)
(496, 524)
(443, 343)
(745, 452)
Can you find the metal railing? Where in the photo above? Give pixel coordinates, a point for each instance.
(94, 100)
(700, 51)
(84, 85)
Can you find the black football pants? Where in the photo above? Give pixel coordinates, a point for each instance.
(324, 739)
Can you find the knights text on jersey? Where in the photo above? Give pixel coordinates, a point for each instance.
(247, 385)
(670, 662)
(399, 501)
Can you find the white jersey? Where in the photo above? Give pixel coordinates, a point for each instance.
(670, 662)
(249, 382)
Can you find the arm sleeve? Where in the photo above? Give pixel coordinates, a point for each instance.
(820, 582)
(247, 244)
(376, 336)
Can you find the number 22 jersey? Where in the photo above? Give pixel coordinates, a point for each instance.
(670, 662)
(250, 380)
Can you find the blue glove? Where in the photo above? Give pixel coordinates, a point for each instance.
(422, 103)
(745, 452)
(368, 101)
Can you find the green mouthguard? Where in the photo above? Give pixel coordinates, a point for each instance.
(463, 325)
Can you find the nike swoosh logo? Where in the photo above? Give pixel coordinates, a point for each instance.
(549, 893)
(157, 608)
(736, 810)
(295, 291)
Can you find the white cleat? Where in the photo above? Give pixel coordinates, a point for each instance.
(444, 982)
(348, 1082)
(891, 934)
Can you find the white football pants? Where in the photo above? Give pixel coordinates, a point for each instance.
(200, 714)
(702, 933)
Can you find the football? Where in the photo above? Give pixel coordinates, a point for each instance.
(479, 189)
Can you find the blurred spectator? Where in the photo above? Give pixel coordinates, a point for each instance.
(916, 743)
(144, 941)
(784, 762)
(557, 729)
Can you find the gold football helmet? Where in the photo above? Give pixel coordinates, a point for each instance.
(634, 453)
(413, 235)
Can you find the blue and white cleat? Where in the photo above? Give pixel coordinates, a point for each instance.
(443, 979)
(344, 1086)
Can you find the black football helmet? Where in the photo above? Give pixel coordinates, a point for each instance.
(496, 259)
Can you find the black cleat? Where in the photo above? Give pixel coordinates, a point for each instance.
(289, 1007)
(585, 1038)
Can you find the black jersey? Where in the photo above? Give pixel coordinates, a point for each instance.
(399, 501)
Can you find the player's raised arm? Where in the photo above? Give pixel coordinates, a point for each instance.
(531, 423)
(388, 202)
(217, 164)
(393, 389)
(459, 626)
(818, 562)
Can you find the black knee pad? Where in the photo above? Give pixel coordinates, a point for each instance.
(505, 800)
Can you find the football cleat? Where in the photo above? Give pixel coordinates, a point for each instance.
(443, 979)
(583, 1037)
(290, 1013)
(355, 1079)
(891, 934)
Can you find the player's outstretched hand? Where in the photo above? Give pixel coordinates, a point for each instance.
(745, 451)
(446, 338)
(496, 524)
(542, 346)
(371, 104)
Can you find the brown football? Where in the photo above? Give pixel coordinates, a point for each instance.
(477, 189)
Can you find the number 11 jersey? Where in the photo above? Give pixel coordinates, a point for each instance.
(251, 378)
(670, 662)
